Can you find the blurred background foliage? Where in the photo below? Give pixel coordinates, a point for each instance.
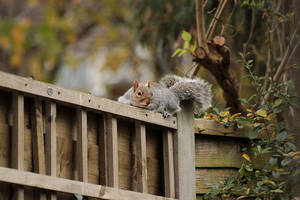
(40, 37)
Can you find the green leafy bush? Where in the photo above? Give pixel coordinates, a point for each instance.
(271, 159)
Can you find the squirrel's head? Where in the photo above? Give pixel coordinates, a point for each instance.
(142, 94)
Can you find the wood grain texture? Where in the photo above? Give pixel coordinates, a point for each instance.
(18, 140)
(64, 130)
(218, 151)
(82, 145)
(70, 186)
(112, 151)
(102, 140)
(33, 87)
(185, 153)
(38, 149)
(155, 160)
(50, 142)
(142, 176)
(126, 134)
(38, 137)
(169, 179)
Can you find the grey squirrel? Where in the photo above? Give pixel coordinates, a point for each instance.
(165, 96)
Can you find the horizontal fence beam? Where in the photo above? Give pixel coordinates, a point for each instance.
(33, 87)
(69, 186)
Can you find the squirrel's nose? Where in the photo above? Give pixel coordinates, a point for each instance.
(147, 102)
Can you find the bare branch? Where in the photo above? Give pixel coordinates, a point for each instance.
(245, 46)
(215, 21)
(228, 17)
(288, 53)
(286, 57)
(200, 20)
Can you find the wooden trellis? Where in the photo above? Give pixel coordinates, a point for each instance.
(57, 142)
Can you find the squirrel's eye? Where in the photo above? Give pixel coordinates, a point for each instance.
(139, 93)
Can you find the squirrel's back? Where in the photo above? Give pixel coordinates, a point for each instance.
(193, 89)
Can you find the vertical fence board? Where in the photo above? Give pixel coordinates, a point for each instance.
(18, 140)
(140, 131)
(50, 142)
(38, 150)
(168, 164)
(185, 154)
(102, 139)
(112, 151)
(82, 149)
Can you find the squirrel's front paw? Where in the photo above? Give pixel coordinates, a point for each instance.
(165, 114)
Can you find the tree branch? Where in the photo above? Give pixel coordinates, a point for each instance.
(290, 48)
(215, 21)
(200, 20)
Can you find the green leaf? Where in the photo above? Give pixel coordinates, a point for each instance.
(176, 52)
(261, 113)
(186, 45)
(182, 52)
(281, 136)
(277, 102)
(186, 36)
(286, 162)
(273, 161)
(255, 132)
(268, 182)
(277, 191)
(193, 47)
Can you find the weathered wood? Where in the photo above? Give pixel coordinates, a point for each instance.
(140, 131)
(38, 137)
(18, 140)
(50, 142)
(82, 148)
(93, 148)
(155, 160)
(218, 151)
(211, 176)
(66, 165)
(70, 186)
(30, 86)
(185, 154)
(102, 138)
(168, 164)
(38, 150)
(112, 151)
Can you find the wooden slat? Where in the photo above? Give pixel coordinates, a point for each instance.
(38, 140)
(18, 139)
(82, 149)
(38, 137)
(140, 131)
(70, 186)
(50, 91)
(112, 151)
(185, 154)
(50, 142)
(168, 164)
(218, 151)
(102, 137)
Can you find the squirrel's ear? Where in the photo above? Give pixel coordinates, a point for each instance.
(135, 85)
(148, 84)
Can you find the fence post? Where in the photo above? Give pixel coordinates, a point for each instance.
(185, 153)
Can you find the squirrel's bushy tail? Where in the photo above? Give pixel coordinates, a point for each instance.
(193, 89)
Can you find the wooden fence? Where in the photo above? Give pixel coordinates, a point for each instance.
(56, 143)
